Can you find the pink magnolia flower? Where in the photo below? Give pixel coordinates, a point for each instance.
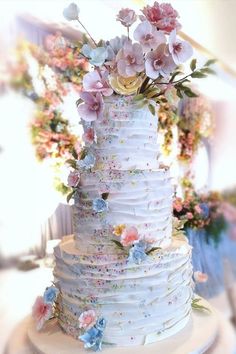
(129, 236)
(148, 36)
(159, 62)
(92, 107)
(97, 82)
(180, 50)
(130, 59)
(88, 136)
(162, 16)
(127, 17)
(73, 179)
(41, 312)
(189, 216)
(87, 319)
(200, 277)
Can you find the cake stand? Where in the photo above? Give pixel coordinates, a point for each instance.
(196, 338)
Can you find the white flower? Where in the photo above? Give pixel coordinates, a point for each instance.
(71, 12)
(96, 56)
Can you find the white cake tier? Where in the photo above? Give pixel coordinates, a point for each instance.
(136, 198)
(126, 136)
(141, 303)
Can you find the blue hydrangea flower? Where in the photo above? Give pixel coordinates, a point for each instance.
(100, 205)
(93, 337)
(88, 162)
(137, 253)
(96, 56)
(50, 294)
(205, 210)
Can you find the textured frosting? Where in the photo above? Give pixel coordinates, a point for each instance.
(140, 198)
(126, 136)
(141, 303)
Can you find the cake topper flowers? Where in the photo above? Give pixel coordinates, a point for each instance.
(144, 66)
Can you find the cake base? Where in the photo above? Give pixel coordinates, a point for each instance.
(196, 338)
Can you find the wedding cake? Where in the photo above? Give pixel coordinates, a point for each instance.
(125, 277)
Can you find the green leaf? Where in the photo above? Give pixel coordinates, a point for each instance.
(190, 93)
(79, 101)
(72, 163)
(198, 75)
(70, 195)
(179, 93)
(210, 62)
(74, 154)
(83, 154)
(152, 109)
(196, 306)
(193, 64)
(118, 244)
(175, 74)
(138, 97)
(105, 195)
(153, 250)
(208, 71)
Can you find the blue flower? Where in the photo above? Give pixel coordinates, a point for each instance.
(100, 205)
(93, 337)
(97, 56)
(137, 253)
(88, 162)
(205, 210)
(50, 294)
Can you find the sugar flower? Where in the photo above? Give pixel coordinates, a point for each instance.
(87, 319)
(178, 205)
(137, 253)
(158, 62)
(73, 179)
(127, 17)
(88, 136)
(148, 36)
(100, 205)
(117, 230)
(189, 215)
(114, 45)
(96, 56)
(180, 50)
(87, 162)
(205, 210)
(50, 294)
(92, 107)
(71, 12)
(93, 337)
(97, 82)
(130, 59)
(129, 236)
(125, 85)
(41, 312)
(162, 16)
(200, 277)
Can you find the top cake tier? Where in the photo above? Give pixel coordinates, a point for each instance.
(126, 136)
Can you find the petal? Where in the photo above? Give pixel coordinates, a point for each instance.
(86, 114)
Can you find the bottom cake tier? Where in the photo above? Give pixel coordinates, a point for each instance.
(141, 303)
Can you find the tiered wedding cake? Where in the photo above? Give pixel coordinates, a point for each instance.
(122, 265)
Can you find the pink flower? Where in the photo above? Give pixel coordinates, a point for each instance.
(41, 312)
(77, 147)
(200, 277)
(178, 204)
(129, 236)
(92, 107)
(127, 17)
(73, 179)
(159, 62)
(180, 50)
(88, 136)
(189, 215)
(162, 16)
(198, 209)
(87, 319)
(130, 59)
(97, 82)
(148, 36)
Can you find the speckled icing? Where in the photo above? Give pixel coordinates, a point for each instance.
(140, 198)
(141, 303)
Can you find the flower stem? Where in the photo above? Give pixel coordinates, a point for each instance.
(128, 32)
(81, 24)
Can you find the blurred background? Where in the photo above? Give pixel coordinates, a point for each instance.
(40, 77)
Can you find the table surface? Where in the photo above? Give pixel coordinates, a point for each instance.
(19, 290)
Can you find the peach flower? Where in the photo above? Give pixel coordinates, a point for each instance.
(129, 236)
(88, 136)
(200, 277)
(41, 312)
(87, 319)
(117, 230)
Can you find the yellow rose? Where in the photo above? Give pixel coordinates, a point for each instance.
(117, 230)
(125, 85)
